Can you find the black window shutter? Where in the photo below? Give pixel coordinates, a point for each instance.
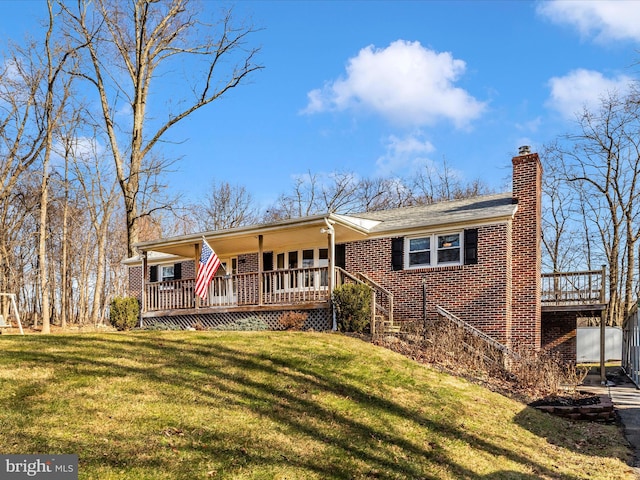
(267, 261)
(177, 271)
(471, 246)
(397, 253)
(341, 256)
(153, 273)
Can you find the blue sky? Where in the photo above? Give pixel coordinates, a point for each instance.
(382, 88)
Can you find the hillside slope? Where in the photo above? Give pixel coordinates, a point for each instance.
(187, 405)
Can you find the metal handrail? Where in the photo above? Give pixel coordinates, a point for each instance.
(475, 332)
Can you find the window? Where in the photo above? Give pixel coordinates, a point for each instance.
(433, 250)
(306, 262)
(419, 251)
(307, 258)
(449, 248)
(166, 273)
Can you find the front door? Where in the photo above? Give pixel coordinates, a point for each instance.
(223, 290)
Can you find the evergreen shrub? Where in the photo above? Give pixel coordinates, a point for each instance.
(353, 307)
(124, 313)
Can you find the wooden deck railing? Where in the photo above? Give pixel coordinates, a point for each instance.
(279, 287)
(574, 288)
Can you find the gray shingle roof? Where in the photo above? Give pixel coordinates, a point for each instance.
(469, 210)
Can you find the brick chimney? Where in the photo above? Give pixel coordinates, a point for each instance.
(526, 253)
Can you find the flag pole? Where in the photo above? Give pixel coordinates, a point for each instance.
(221, 264)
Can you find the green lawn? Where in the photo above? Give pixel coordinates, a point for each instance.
(190, 405)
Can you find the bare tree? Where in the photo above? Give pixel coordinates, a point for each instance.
(602, 161)
(56, 96)
(345, 193)
(225, 206)
(384, 193)
(98, 187)
(437, 183)
(314, 193)
(130, 45)
(563, 238)
(20, 143)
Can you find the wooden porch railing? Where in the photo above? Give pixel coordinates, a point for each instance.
(279, 287)
(574, 288)
(381, 301)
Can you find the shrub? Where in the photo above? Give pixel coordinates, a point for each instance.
(293, 320)
(528, 375)
(124, 312)
(353, 307)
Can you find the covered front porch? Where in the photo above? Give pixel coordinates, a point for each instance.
(268, 270)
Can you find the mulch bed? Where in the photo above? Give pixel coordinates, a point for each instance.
(567, 401)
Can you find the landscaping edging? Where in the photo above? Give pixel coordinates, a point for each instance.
(602, 411)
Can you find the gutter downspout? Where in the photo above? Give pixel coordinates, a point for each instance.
(332, 270)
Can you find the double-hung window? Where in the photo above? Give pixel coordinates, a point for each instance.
(419, 251)
(434, 250)
(167, 273)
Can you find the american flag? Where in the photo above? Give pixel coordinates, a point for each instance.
(209, 263)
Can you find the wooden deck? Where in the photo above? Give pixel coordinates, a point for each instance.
(574, 291)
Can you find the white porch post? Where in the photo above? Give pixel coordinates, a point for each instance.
(260, 270)
(332, 270)
(143, 286)
(198, 251)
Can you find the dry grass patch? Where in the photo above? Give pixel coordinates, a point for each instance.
(190, 405)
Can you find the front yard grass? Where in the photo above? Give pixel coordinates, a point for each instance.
(263, 405)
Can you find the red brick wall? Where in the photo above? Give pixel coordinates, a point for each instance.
(479, 294)
(248, 263)
(527, 188)
(559, 334)
(188, 269)
(135, 277)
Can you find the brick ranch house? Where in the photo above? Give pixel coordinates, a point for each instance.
(478, 258)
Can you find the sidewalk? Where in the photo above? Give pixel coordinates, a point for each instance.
(626, 400)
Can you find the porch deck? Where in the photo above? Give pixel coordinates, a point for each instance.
(294, 287)
(574, 291)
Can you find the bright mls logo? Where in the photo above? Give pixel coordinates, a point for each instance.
(49, 467)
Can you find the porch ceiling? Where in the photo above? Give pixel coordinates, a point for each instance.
(230, 243)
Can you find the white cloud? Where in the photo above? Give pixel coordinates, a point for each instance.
(604, 20)
(403, 153)
(582, 89)
(405, 83)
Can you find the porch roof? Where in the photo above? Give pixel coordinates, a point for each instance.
(304, 231)
(289, 233)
